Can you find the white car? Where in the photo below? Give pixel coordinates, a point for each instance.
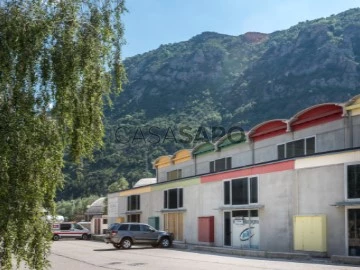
(69, 230)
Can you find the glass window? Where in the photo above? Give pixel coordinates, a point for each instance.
(239, 191)
(240, 213)
(290, 150)
(78, 227)
(165, 199)
(299, 148)
(65, 226)
(175, 174)
(310, 146)
(243, 191)
(133, 202)
(180, 197)
(133, 218)
(227, 192)
(212, 166)
(220, 165)
(173, 198)
(353, 181)
(228, 163)
(253, 190)
(124, 227)
(144, 228)
(135, 227)
(105, 221)
(254, 213)
(354, 232)
(281, 151)
(227, 228)
(296, 148)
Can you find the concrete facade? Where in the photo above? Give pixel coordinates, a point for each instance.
(299, 186)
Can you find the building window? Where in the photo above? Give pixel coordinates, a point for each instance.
(133, 202)
(221, 164)
(133, 218)
(296, 148)
(105, 221)
(241, 191)
(173, 198)
(175, 174)
(353, 181)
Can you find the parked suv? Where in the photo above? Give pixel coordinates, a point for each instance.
(69, 230)
(124, 235)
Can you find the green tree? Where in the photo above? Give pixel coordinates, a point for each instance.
(59, 62)
(118, 185)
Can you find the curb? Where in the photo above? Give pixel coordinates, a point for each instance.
(355, 260)
(335, 259)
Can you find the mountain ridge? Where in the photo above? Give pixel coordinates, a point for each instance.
(221, 80)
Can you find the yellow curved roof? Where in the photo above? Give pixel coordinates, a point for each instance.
(353, 105)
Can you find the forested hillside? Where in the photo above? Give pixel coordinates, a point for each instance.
(218, 80)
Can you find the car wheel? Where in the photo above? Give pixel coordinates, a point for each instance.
(117, 246)
(85, 237)
(56, 237)
(126, 243)
(154, 245)
(165, 242)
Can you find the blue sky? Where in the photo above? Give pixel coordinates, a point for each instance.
(150, 23)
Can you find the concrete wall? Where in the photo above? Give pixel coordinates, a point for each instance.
(275, 193)
(284, 194)
(356, 131)
(266, 150)
(114, 203)
(318, 189)
(329, 136)
(187, 170)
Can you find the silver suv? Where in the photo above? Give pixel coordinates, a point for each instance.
(124, 235)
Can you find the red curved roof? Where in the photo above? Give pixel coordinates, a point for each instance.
(268, 129)
(316, 115)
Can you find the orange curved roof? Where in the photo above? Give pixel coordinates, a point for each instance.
(162, 161)
(268, 129)
(316, 115)
(181, 156)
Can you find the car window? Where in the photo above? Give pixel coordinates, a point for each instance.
(135, 227)
(65, 227)
(78, 227)
(145, 228)
(123, 227)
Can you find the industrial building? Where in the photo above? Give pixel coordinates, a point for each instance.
(287, 185)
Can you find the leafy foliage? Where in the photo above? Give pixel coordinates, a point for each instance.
(118, 185)
(74, 210)
(55, 62)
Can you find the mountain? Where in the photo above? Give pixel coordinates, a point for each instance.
(218, 80)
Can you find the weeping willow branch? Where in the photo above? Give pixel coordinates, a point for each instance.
(59, 62)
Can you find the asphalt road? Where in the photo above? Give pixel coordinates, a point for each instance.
(91, 255)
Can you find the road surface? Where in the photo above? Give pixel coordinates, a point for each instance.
(91, 255)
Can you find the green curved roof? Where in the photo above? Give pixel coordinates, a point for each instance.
(231, 139)
(203, 148)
